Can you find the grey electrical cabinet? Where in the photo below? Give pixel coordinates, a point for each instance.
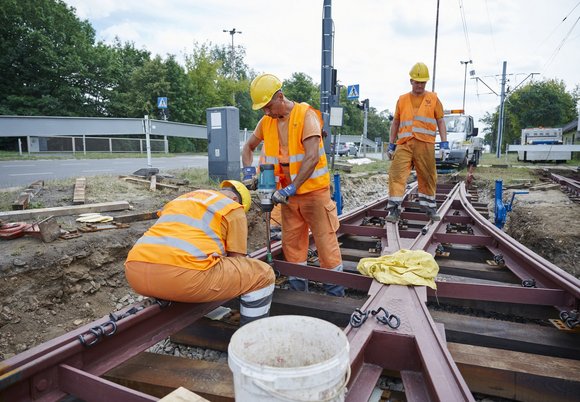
(223, 143)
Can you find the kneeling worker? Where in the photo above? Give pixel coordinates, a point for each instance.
(196, 252)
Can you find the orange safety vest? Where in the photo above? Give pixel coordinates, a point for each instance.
(320, 178)
(423, 125)
(187, 233)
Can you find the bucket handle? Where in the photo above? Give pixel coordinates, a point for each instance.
(277, 394)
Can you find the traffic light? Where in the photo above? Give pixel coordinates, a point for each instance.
(364, 105)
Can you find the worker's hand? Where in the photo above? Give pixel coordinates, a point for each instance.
(444, 147)
(391, 150)
(249, 179)
(281, 196)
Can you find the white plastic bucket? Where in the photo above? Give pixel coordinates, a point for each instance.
(289, 358)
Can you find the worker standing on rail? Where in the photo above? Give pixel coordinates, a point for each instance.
(196, 252)
(418, 115)
(292, 135)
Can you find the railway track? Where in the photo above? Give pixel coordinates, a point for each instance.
(502, 322)
(569, 185)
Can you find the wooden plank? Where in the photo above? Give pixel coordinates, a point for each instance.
(21, 201)
(526, 338)
(135, 180)
(136, 217)
(353, 254)
(158, 375)
(515, 375)
(63, 211)
(216, 334)
(183, 395)
(476, 270)
(25, 196)
(79, 196)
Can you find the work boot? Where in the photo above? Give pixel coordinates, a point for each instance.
(299, 284)
(432, 214)
(394, 215)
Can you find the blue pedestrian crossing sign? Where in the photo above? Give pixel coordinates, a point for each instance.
(352, 92)
(161, 102)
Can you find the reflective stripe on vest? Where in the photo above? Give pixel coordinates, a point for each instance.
(422, 126)
(188, 232)
(320, 177)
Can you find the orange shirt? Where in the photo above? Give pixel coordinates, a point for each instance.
(416, 102)
(311, 128)
(235, 231)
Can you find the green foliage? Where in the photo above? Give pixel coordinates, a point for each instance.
(42, 53)
(537, 104)
(301, 88)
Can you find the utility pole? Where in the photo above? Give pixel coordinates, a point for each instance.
(232, 32)
(435, 51)
(465, 80)
(503, 96)
(328, 74)
(501, 111)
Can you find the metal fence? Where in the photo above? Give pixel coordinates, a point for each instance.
(86, 145)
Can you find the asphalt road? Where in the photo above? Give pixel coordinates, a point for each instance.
(18, 173)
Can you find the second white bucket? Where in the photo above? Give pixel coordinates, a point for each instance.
(289, 358)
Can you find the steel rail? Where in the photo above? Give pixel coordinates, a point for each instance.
(524, 262)
(571, 185)
(416, 348)
(43, 373)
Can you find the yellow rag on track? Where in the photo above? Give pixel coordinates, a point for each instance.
(404, 267)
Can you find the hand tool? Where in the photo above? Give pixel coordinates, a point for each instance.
(267, 187)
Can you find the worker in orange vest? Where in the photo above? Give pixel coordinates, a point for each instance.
(292, 135)
(197, 252)
(418, 115)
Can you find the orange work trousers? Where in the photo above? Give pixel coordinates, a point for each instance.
(317, 212)
(276, 216)
(413, 153)
(229, 278)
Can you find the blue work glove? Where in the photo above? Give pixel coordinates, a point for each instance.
(444, 147)
(391, 150)
(281, 196)
(249, 177)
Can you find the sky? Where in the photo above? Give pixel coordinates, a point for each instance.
(376, 42)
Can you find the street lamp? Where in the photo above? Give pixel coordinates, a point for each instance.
(465, 80)
(232, 32)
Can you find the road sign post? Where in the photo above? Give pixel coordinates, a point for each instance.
(352, 92)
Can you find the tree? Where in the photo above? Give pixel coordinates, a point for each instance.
(301, 88)
(125, 59)
(537, 104)
(43, 51)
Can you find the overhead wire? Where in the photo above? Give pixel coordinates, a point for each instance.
(559, 47)
(558, 26)
(465, 30)
(489, 21)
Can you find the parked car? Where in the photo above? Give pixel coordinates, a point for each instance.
(346, 150)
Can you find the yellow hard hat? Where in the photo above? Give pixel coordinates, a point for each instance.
(242, 190)
(419, 72)
(262, 89)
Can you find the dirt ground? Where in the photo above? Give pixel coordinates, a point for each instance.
(48, 289)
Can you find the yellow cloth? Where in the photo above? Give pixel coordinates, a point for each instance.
(404, 267)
